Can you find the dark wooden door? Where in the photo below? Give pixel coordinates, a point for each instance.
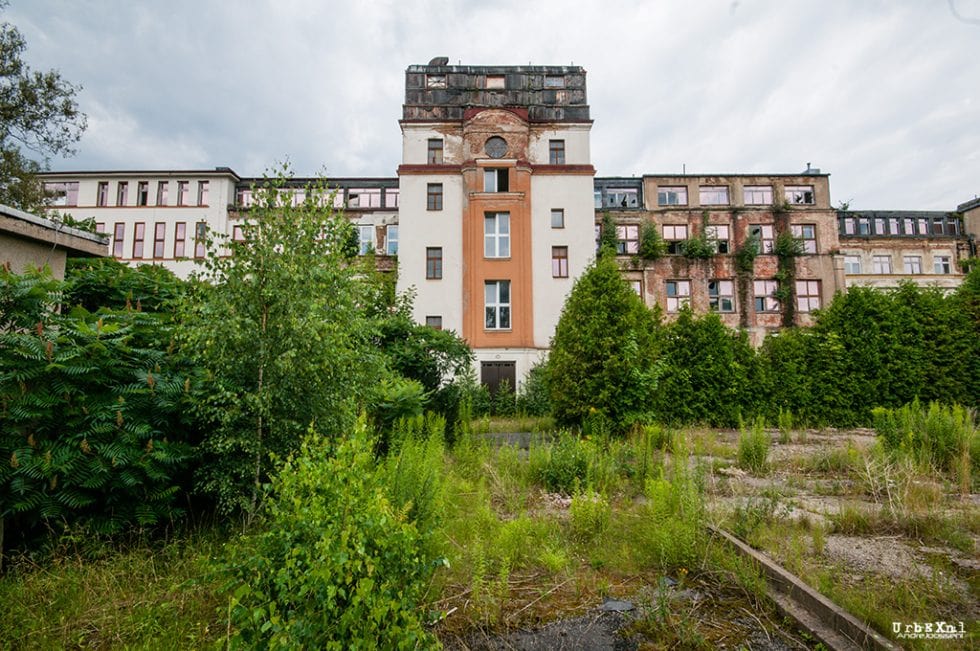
(493, 373)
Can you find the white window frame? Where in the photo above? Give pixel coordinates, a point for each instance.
(672, 195)
(627, 239)
(799, 195)
(767, 236)
(497, 302)
(720, 234)
(806, 233)
(491, 179)
(365, 238)
(942, 264)
(912, 264)
(881, 264)
(757, 195)
(391, 238)
(852, 264)
(496, 235)
(807, 295)
(714, 195)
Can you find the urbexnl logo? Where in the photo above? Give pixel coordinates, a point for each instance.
(929, 630)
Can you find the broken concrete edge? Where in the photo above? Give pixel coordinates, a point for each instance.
(836, 619)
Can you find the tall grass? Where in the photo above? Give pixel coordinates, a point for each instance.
(753, 448)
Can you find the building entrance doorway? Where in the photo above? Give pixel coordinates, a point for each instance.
(493, 373)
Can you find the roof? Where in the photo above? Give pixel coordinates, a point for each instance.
(969, 205)
(894, 214)
(217, 171)
(24, 225)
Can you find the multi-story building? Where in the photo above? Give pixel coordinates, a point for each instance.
(495, 211)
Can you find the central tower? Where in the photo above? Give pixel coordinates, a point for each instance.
(496, 213)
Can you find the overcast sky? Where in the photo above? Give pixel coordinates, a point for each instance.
(885, 96)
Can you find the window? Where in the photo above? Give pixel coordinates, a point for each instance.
(672, 196)
(142, 193)
(556, 152)
(159, 237)
(433, 196)
(637, 286)
(558, 218)
(434, 154)
(622, 198)
(391, 239)
(912, 264)
(391, 198)
(807, 295)
(180, 234)
(102, 195)
(497, 302)
(799, 194)
(435, 81)
(807, 233)
(202, 193)
(434, 322)
(433, 263)
(62, 194)
(365, 239)
(678, 294)
(721, 295)
(852, 264)
(674, 234)
(163, 188)
(100, 227)
(183, 192)
(881, 264)
(764, 234)
(200, 239)
(559, 262)
(942, 264)
(554, 81)
(138, 234)
(122, 188)
(363, 198)
(720, 235)
(764, 292)
(496, 180)
(713, 195)
(496, 235)
(495, 81)
(237, 234)
(757, 195)
(118, 235)
(627, 239)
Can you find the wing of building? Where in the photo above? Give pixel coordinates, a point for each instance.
(496, 211)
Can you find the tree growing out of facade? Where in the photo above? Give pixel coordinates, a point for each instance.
(603, 360)
(39, 117)
(280, 328)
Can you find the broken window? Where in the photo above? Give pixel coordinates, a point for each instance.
(435, 81)
(721, 295)
(808, 234)
(678, 294)
(496, 81)
(496, 179)
(942, 264)
(674, 234)
(622, 198)
(764, 292)
(142, 193)
(627, 239)
(798, 194)
(554, 81)
(764, 234)
(720, 236)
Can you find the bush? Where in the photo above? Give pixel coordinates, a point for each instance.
(336, 566)
(939, 436)
(753, 448)
(588, 516)
(533, 399)
(562, 466)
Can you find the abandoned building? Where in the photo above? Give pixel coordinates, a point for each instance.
(496, 209)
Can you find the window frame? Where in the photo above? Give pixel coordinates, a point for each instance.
(672, 240)
(496, 179)
(497, 307)
(434, 321)
(389, 240)
(122, 193)
(717, 297)
(118, 239)
(666, 192)
(364, 245)
(627, 239)
(705, 195)
(559, 262)
(912, 265)
(496, 243)
(203, 191)
(163, 190)
(675, 302)
(180, 237)
(139, 235)
(433, 196)
(435, 155)
(159, 240)
(881, 265)
(102, 194)
(433, 263)
(200, 239)
(556, 152)
(799, 232)
(560, 213)
(850, 260)
(722, 244)
(143, 193)
(183, 192)
(807, 301)
(799, 195)
(765, 296)
(766, 244)
(942, 264)
(750, 194)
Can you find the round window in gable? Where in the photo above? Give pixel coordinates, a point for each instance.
(496, 147)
